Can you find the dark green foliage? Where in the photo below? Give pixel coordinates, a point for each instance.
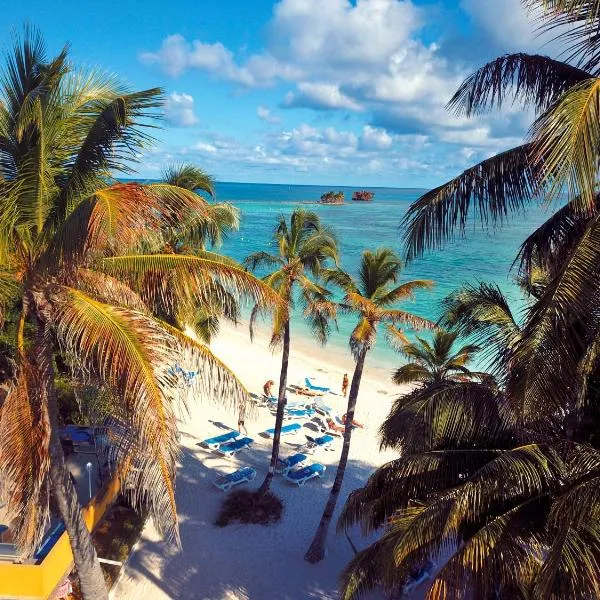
(243, 506)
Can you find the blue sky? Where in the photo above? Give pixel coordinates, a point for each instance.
(300, 91)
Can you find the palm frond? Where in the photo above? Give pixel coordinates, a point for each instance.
(489, 191)
(533, 80)
(447, 415)
(564, 142)
(553, 342)
(113, 140)
(482, 313)
(189, 177)
(405, 291)
(25, 458)
(173, 278)
(132, 355)
(576, 24)
(551, 242)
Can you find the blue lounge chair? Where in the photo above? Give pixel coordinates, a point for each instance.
(243, 475)
(325, 442)
(295, 413)
(291, 462)
(232, 448)
(215, 442)
(285, 430)
(315, 388)
(301, 476)
(322, 408)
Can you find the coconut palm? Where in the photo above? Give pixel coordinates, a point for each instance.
(560, 155)
(304, 247)
(208, 229)
(70, 237)
(441, 499)
(371, 298)
(504, 512)
(431, 364)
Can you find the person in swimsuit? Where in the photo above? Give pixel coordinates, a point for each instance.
(268, 388)
(345, 384)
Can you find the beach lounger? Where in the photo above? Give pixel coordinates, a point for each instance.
(215, 442)
(298, 414)
(291, 462)
(325, 442)
(243, 475)
(315, 388)
(322, 408)
(232, 448)
(285, 430)
(301, 476)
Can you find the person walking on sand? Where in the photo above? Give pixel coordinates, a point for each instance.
(345, 384)
(268, 388)
(242, 421)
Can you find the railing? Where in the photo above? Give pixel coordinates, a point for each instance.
(38, 582)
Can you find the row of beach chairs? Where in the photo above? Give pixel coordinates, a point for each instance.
(294, 468)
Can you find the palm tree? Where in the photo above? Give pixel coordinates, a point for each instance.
(206, 229)
(70, 237)
(304, 248)
(434, 364)
(371, 298)
(189, 177)
(560, 154)
(505, 511)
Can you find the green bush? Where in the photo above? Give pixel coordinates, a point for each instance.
(243, 506)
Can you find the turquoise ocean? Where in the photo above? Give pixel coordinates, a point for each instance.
(479, 255)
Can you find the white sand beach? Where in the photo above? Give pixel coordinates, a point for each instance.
(255, 562)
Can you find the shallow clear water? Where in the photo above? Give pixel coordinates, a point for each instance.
(479, 256)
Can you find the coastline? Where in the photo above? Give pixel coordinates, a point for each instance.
(252, 561)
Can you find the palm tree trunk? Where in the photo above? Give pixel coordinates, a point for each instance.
(266, 484)
(93, 585)
(316, 551)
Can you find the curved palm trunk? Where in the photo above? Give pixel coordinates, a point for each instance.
(266, 484)
(316, 551)
(93, 585)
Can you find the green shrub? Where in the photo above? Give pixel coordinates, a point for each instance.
(243, 506)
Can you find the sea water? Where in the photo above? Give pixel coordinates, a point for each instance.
(479, 255)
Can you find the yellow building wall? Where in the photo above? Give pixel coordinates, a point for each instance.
(37, 582)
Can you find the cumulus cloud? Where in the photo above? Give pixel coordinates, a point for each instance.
(264, 114)
(179, 110)
(374, 138)
(367, 60)
(176, 55)
(320, 96)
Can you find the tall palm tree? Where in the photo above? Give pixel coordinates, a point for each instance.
(371, 298)
(505, 511)
(70, 237)
(560, 155)
(431, 364)
(304, 247)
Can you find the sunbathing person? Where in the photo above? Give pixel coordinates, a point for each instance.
(354, 423)
(333, 426)
(304, 391)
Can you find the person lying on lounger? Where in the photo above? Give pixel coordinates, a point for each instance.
(333, 426)
(355, 423)
(304, 391)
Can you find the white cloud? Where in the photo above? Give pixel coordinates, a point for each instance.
(375, 138)
(264, 114)
(517, 29)
(320, 96)
(179, 110)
